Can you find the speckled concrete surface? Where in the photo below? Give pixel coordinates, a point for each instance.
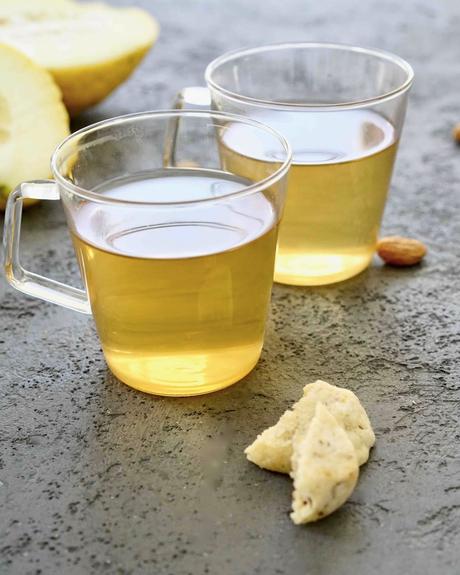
(98, 479)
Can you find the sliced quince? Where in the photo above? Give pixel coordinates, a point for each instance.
(33, 120)
(89, 48)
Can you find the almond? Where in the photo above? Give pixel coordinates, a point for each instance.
(399, 251)
(456, 133)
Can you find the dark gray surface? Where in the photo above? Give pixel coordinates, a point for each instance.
(97, 478)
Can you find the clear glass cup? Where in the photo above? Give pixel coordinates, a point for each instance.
(342, 110)
(177, 261)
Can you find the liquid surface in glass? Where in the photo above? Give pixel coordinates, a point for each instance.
(337, 188)
(179, 295)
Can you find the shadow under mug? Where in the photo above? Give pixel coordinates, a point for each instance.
(342, 109)
(178, 261)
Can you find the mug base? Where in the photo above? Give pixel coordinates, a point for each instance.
(327, 269)
(193, 379)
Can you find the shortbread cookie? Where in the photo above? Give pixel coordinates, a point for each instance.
(273, 448)
(324, 468)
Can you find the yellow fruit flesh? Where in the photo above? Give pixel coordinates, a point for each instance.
(86, 86)
(33, 121)
(89, 48)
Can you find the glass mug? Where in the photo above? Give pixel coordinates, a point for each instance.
(177, 261)
(342, 109)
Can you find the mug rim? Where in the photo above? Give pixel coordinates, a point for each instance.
(278, 104)
(258, 186)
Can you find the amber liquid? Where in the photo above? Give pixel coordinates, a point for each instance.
(337, 188)
(179, 296)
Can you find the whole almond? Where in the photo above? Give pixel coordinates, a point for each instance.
(399, 251)
(456, 133)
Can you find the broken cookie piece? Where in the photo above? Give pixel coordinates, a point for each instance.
(345, 406)
(324, 468)
(274, 447)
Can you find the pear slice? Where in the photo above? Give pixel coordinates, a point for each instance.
(33, 120)
(89, 48)
(35, 9)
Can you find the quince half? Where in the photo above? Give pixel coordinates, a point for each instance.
(88, 48)
(33, 120)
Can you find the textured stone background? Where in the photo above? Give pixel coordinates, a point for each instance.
(96, 478)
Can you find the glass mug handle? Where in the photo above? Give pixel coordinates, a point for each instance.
(191, 98)
(23, 280)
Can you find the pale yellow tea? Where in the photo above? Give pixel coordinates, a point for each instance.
(179, 295)
(337, 188)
